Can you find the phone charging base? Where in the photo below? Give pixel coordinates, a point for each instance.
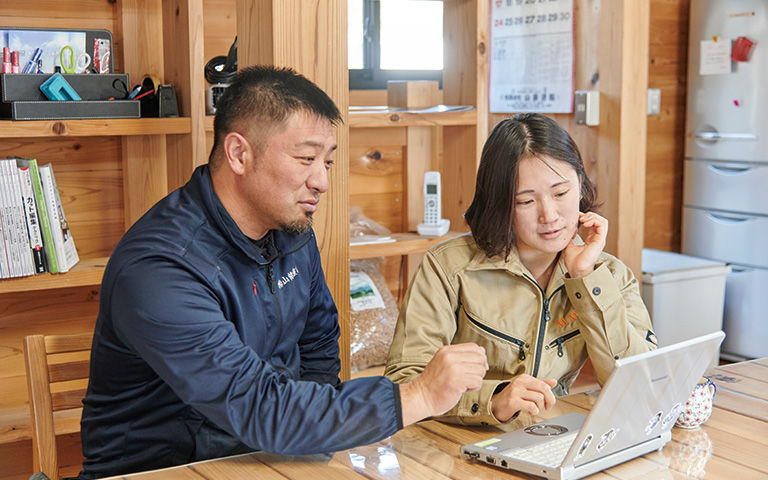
(437, 230)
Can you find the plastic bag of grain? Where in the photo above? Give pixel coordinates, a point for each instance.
(373, 315)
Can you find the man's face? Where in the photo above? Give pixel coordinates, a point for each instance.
(284, 185)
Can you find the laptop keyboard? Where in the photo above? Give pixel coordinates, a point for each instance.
(550, 454)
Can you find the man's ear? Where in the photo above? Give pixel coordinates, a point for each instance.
(238, 151)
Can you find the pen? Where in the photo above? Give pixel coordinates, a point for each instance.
(134, 92)
(32, 65)
(6, 60)
(15, 62)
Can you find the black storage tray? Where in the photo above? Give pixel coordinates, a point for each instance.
(102, 86)
(60, 110)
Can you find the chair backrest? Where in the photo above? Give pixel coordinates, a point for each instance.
(60, 361)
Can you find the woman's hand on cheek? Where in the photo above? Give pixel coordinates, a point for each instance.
(580, 259)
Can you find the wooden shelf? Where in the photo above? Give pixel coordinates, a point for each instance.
(87, 272)
(392, 117)
(404, 244)
(95, 127)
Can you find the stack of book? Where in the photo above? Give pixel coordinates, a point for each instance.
(34, 236)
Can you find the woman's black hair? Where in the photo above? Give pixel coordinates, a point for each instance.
(511, 140)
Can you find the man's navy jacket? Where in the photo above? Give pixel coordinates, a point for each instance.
(199, 338)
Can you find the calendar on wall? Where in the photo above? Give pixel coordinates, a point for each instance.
(531, 67)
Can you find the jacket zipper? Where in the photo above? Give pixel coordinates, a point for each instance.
(560, 340)
(273, 291)
(520, 344)
(545, 316)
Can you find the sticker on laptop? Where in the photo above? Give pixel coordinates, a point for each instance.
(605, 438)
(584, 446)
(672, 415)
(653, 422)
(485, 443)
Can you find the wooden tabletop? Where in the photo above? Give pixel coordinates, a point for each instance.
(732, 444)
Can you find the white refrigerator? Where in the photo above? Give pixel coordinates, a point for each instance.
(725, 179)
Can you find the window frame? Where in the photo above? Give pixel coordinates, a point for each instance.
(371, 76)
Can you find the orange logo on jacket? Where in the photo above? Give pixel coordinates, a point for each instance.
(564, 322)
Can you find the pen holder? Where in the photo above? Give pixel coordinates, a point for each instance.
(160, 104)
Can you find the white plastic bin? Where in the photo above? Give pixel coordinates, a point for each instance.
(685, 295)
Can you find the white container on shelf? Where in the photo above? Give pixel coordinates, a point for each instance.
(684, 295)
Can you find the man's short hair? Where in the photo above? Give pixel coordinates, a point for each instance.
(261, 97)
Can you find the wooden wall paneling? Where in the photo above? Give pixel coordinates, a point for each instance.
(89, 177)
(64, 311)
(183, 38)
(465, 82)
(16, 460)
(367, 98)
(458, 173)
(376, 175)
(586, 77)
(220, 25)
(375, 169)
(311, 37)
(145, 173)
(383, 208)
(623, 56)
(668, 59)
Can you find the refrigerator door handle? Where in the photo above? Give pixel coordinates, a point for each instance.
(730, 170)
(727, 218)
(714, 136)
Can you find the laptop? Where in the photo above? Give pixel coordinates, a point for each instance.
(633, 415)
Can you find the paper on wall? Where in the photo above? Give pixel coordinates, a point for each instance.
(715, 57)
(531, 56)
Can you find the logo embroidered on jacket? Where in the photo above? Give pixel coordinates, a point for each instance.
(287, 278)
(563, 322)
(255, 293)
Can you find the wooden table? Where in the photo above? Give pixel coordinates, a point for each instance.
(733, 444)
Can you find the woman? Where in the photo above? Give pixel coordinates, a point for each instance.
(523, 284)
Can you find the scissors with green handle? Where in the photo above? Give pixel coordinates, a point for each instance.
(68, 62)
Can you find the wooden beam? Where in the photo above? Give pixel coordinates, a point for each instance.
(310, 36)
(183, 25)
(623, 60)
(145, 177)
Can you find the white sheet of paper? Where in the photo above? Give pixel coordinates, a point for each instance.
(531, 56)
(715, 57)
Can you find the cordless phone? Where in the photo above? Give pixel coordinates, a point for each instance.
(431, 198)
(433, 224)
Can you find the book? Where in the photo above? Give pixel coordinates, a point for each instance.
(49, 251)
(6, 269)
(33, 221)
(66, 253)
(22, 237)
(9, 223)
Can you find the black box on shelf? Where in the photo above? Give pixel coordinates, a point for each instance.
(22, 98)
(62, 110)
(20, 86)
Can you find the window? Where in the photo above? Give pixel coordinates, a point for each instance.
(394, 40)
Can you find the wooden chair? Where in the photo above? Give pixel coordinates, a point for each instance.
(53, 361)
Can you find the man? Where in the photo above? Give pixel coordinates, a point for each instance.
(216, 332)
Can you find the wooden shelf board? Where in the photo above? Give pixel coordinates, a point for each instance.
(401, 118)
(94, 127)
(404, 244)
(391, 117)
(87, 272)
